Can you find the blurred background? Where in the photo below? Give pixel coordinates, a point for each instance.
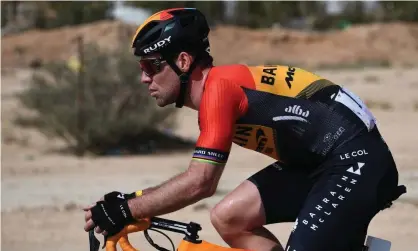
(77, 123)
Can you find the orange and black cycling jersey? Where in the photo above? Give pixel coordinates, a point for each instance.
(284, 112)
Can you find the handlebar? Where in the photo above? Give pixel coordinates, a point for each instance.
(190, 231)
(122, 236)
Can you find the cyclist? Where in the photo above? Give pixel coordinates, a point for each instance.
(333, 172)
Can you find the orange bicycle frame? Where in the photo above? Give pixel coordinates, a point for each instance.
(189, 243)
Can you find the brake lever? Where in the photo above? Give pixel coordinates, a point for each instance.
(93, 241)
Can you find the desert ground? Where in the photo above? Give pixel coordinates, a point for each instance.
(43, 193)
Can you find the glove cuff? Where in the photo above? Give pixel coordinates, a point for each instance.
(126, 212)
(133, 195)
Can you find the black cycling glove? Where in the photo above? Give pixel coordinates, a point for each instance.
(111, 216)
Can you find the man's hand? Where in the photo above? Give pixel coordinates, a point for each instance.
(112, 198)
(109, 218)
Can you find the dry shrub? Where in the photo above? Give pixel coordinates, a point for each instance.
(115, 112)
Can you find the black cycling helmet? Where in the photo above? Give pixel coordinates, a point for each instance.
(169, 32)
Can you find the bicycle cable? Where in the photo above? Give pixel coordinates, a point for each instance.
(151, 242)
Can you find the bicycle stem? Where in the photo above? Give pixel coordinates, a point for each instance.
(190, 230)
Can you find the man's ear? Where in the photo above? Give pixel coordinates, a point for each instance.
(184, 61)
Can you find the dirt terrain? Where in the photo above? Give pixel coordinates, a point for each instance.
(393, 43)
(42, 193)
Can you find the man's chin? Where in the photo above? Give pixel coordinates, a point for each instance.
(162, 103)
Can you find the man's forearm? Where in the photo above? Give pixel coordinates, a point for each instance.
(150, 189)
(176, 193)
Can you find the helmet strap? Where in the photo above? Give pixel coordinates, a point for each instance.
(184, 80)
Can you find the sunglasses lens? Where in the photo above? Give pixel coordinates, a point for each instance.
(148, 67)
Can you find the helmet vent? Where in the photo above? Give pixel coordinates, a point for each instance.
(169, 27)
(155, 35)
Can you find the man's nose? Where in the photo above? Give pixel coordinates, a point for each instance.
(145, 78)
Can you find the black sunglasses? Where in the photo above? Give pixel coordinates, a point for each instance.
(151, 66)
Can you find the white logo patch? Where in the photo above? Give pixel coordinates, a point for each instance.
(158, 45)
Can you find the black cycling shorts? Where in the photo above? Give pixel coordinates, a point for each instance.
(333, 205)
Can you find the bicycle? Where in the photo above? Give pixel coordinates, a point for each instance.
(191, 240)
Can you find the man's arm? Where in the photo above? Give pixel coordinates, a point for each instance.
(199, 181)
(219, 109)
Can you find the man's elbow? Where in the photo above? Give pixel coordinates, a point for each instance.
(206, 189)
(206, 178)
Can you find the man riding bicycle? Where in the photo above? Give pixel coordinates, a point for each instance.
(333, 171)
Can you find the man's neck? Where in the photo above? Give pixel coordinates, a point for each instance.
(195, 90)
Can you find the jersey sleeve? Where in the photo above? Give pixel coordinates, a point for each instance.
(221, 105)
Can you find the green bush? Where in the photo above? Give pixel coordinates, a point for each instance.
(114, 110)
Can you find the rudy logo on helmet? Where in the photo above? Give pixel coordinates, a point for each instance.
(158, 45)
